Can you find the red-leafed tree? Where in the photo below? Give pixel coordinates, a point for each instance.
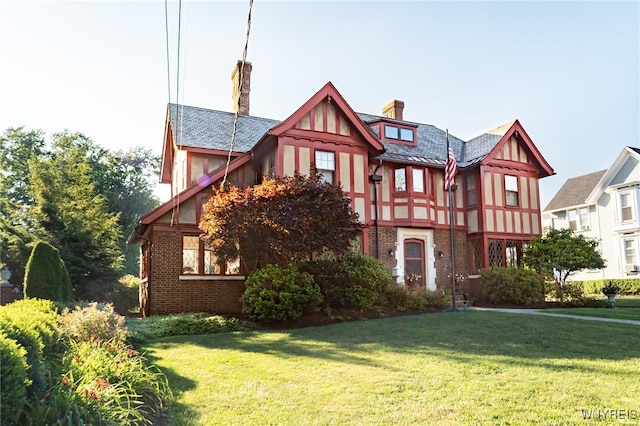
(280, 221)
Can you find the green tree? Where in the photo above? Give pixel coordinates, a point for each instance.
(46, 276)
(280, 221)
(560, 252)
(127, 179)
(72, 216)
(17, 148)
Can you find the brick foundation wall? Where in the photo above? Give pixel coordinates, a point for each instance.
(168, 294)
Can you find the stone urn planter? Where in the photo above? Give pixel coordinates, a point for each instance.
(610, 290)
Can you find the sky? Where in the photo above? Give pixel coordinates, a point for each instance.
(569, 71)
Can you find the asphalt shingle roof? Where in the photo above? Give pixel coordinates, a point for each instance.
(211, 129)
(575, 191)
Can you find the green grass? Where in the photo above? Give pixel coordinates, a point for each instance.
(626, 308)
(446, 368)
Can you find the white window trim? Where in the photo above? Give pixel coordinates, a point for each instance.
(633, 205)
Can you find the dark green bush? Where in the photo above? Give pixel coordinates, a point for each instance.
(516, 286)
(14, 382)
(33, 324)
(275, 293)
(354, 281)
(46, 276)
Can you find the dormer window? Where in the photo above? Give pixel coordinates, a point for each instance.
(398, 133)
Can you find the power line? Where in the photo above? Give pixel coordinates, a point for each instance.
(241, 79)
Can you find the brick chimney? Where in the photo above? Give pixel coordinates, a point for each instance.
(241, 107)
(393, 109)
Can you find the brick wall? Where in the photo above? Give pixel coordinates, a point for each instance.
(442, 240)
(168, 294)
(7, 295)
(387, 242)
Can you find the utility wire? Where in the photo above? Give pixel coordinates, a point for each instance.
(241, 79)
(166, 34)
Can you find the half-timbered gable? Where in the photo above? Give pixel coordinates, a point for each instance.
(392, 170)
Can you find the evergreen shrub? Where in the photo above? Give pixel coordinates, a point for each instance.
(353, 281)
(277, 293)
(14, 382)
(46, 276)
(516, 286)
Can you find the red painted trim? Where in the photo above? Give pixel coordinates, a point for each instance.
(192, 190)
(312, 119)
(329, 90)
(544, 168)
(325, 118)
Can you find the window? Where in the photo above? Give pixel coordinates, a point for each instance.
(193, 249)
(414, 261)
(471, 190)
(399, 133)
(401, 180)
(418, 180)
(626, 207)
(511, 190)
(190, 251)
(573, 220)
(475, 260)
(326, 165)
(496, 253)
(630, 253)
(514, 253)
(583, 215)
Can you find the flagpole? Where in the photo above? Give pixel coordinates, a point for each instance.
(452, 233)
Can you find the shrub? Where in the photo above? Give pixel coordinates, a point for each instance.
(628, 286)
(14, 383)
(354, 281)
(512, 285)
(32, 323)
(92, 321)
(46, 276)
(403, 299)
(275, 293)
(153, 327)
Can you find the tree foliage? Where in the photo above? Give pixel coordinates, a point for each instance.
(560, 252)
(75, 195)
(46, 276)
(281, 221)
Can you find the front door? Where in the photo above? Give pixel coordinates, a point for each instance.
(414, 263)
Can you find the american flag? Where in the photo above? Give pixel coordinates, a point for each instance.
(450, 171)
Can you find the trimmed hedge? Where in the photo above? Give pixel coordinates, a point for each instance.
(512, 285)
(354, 281)
(628, 286)
(277, 293)
(46, 276)
(14, 383)
(32, 323)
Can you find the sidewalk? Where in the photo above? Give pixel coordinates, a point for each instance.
(551, 314)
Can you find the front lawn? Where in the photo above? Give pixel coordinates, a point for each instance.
(445, 368)
(626, 308)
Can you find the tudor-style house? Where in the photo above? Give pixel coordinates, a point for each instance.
(391, 168)
(604, 206)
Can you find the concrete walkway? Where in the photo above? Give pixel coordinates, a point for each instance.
(551, 314)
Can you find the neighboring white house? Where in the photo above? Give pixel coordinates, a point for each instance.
(603, 205)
